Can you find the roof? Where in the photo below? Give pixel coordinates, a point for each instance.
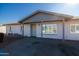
(46, 12)
(12, 24)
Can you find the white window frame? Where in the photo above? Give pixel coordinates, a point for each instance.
(50, 33)
(76, 31)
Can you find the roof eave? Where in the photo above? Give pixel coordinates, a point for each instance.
(38, 11)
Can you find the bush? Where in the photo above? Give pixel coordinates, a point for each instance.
(1, 37)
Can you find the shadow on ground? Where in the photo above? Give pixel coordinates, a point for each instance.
(42, 47)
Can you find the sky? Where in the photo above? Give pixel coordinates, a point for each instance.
(14, 12)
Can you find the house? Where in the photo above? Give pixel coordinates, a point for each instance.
(13, 28)
(47, 25)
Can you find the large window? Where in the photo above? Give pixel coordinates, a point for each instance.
(49, 28)
(74, 28)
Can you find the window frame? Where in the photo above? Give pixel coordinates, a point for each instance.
(76, 31)
(49, 33)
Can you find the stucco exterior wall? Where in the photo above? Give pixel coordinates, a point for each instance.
(2, 29)
(7, 29)
(27, 30)
(38, 30)
(14, 29)
(68, 35)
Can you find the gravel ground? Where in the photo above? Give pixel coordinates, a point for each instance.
(41, 47)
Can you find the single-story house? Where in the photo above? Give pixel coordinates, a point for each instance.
(47, 25)
(13, 28)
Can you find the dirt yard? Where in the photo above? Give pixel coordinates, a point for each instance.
(40, 47)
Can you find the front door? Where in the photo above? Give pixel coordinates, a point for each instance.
(33, 30)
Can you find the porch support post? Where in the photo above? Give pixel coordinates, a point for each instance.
(41, 29)
(22, 27)
(31, 30)
(63, 29)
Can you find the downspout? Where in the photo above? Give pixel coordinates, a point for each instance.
(41, 29)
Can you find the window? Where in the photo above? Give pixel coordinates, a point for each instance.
(49, 28)
(74, 28)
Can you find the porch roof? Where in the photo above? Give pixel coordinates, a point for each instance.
(47, 13)
(12, 24)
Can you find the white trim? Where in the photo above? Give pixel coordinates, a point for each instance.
(76, 31)
(50, 33)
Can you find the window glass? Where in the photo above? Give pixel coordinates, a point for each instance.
(77, 28)
(72, 28)
(43, 30)
(49, 28)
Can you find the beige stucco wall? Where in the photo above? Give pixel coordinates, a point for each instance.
(2, 29)
(68, 35)
(27, 30)
(14, 29)
(38, 30)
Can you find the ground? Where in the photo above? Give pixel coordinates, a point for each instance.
(40, 47)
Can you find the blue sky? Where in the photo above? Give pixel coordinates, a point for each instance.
(10, 13)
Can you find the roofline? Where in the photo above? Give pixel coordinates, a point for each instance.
(12, 24)
(33, 13)
(47, 12)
